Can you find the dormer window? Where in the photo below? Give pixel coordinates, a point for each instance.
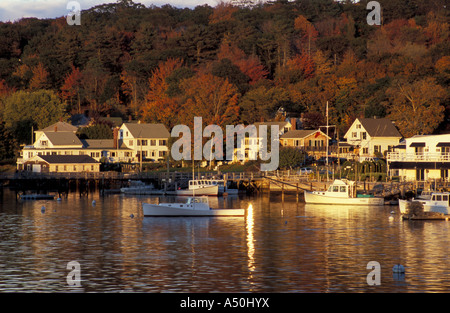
(44, 143)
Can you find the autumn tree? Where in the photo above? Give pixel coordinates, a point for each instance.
(416, 107)
(159, 106)
(248, 65)
(211, 97)
(70, 90)
(308, 33)
(39, 79)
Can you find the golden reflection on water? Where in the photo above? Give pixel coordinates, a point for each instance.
(250, 242)
(277, 246)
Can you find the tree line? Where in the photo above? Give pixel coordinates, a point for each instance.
(232, 63)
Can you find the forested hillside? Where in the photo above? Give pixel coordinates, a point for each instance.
(229, 64)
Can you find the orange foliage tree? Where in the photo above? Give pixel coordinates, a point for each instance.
(416, 107)
(159, 107)
(211, 97)
(249, 65)
(39, 79)
(71, 87)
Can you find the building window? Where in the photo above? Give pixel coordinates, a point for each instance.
(354, 134)
(44, 143)
(162, 153)
(358, 126)
(364, 135)
(377, 148)
(130, 142)
(365, 150)
(153, 142)
(162, 142)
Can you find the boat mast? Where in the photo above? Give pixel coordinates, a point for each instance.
(327, 141)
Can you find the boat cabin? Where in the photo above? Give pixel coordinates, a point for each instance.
(440, 198)
(342, 189)
(195, 184)
(192, 200)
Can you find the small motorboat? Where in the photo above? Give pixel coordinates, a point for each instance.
(439, 202)
(201, 187)
(342, 192)
(194, 206)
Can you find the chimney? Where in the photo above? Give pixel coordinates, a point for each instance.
(293, 123)
(129, 118)
(56, 128)
(116, 137)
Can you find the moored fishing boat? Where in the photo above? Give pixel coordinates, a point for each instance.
(437, 207)
(342, 191)
(194, 206)
(199, 187)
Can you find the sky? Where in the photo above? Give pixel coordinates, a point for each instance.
(11, 10)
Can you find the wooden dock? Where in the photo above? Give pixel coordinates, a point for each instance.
(250, 182)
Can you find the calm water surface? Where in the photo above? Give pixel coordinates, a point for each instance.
(279, 246)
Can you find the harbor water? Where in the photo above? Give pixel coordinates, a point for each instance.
(279, 246)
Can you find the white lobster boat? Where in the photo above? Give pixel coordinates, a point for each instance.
(342, 192)
(200, 187)
(194, 206)
(439, 202)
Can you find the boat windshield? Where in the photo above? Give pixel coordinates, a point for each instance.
(197, 200)
(334, 188)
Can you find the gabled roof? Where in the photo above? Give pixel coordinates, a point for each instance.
(300, 133)
(63, 159)
(280, 124)
(379, 127)
(63, 138)
(147, 130)
(60, 127)
(101, 144)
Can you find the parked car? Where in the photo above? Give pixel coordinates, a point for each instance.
(306, 171)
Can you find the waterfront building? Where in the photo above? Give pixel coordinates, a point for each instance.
(148, 140)
(421, 158)
(251, 147)
(312, 141)
(61, 164)
(60, 139)
(372, 137)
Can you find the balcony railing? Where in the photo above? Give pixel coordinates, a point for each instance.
(418, 157)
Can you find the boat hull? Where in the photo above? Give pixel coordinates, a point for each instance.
(428, 206)
(315, 198)
(204, 191)
(167, 210)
